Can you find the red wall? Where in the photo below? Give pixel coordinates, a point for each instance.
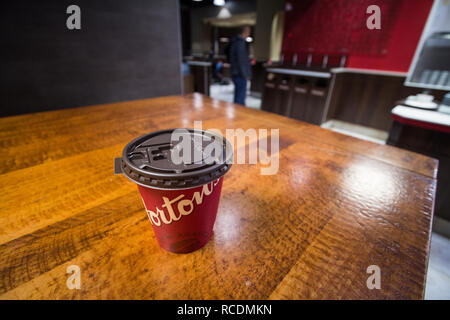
(403, 41)
(338, 27)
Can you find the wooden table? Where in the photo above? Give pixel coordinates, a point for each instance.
(336, 206)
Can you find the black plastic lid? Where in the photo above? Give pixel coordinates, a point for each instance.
(147, 160)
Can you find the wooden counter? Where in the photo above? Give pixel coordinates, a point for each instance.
(315, 95)
(201, 72)
(336, 206)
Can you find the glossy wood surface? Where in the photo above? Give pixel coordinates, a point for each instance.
(336, 206)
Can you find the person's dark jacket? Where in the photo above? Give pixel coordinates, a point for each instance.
(239, 60)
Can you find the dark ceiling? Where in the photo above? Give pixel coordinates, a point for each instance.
(209, 3)
(196, 4)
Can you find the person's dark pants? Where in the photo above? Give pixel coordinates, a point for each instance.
(240, 89)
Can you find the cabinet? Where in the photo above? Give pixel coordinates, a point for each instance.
(283, 95)
(432, 143)
(298, 96)
(269, 92)
(317, 100)
(201, 71)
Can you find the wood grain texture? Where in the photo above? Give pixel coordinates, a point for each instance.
(336, 206)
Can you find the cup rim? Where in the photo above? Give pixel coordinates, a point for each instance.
(169, 189)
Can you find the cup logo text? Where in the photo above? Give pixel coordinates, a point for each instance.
(175, 209)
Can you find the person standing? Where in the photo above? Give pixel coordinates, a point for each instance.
(240, 64)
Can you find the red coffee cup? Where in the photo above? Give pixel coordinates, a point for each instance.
(181, 196)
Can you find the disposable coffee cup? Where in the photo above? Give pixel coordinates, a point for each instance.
(179, 174)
